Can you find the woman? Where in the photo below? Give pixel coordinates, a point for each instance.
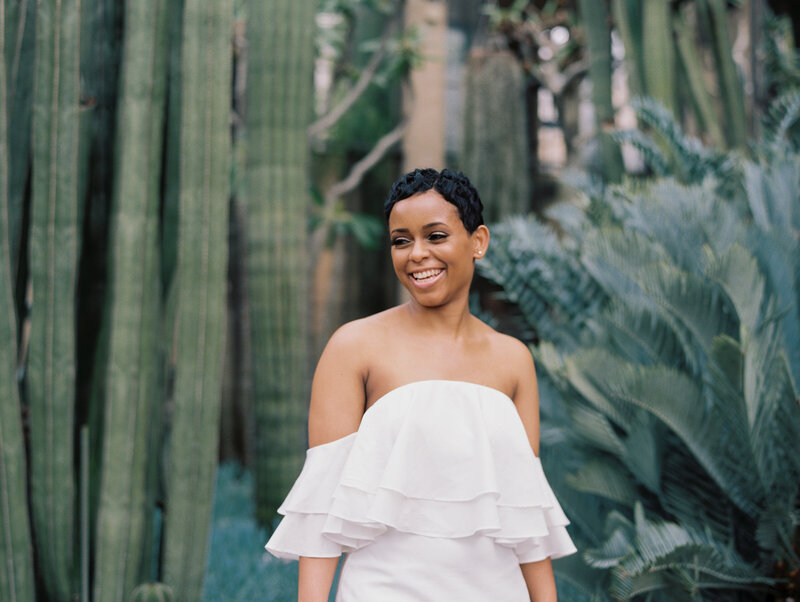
(423, 429)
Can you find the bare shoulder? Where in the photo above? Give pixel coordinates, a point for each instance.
(509, 351)
(360, 338)
(517, 363)
(338, 395)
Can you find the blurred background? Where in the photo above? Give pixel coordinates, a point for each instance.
(192, 202)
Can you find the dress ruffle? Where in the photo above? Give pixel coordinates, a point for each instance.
(435, 458)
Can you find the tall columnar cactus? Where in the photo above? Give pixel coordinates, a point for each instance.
(280, 51)
(690, 59)
(16, 568)
(658, 53)
(496, 154)
(134, 304)
(18, 52)
(598, 36)
(54, 247)
(730, 86)
(199, 279)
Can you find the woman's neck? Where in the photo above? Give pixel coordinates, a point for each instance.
(450, 320)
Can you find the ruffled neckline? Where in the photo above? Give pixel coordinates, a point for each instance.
(433, 381)
(436, 458)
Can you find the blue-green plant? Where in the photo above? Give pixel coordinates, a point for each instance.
(669, 405)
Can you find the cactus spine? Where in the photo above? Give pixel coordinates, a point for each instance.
(16, 568)
(134, 312)
(204, 174)
(279, 63)
(54, 248)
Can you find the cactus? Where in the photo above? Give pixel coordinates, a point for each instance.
(658, 53)
(152, 592)
(695, 79)
(18, 47)
(595, 21)
(496, 154)
(279, 95)
(54, 249)
(134, 299)
(200, 286)
(730, 87)
(16, 570)
(628, 18)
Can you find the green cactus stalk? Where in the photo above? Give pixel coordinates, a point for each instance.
(280, 54)
(594, 16)
(134, 304)
(695, 78)
(16, 552)
(496, 154)
(730, 86)
(658, 53)
(18, 52)
(200, 281)
(628, 20)
(54, 249)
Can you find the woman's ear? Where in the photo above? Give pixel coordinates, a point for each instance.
(480, 241)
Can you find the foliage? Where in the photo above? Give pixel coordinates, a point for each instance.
(238, 567)
(669, 375)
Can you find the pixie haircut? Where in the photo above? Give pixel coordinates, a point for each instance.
(454, 187)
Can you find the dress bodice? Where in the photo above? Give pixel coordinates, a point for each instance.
(437, 458)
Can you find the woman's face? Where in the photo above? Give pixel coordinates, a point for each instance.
(432, 252)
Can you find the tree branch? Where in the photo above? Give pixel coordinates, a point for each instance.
(327, 121)
(359, 169)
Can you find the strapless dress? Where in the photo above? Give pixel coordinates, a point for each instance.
(438, 496)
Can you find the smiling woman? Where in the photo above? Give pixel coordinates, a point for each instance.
(437, 493)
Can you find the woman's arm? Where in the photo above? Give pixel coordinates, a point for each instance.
(539, 580)
(314, 579)
(337, 404)
(538, 576)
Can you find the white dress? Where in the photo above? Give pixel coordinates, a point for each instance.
(437, 496)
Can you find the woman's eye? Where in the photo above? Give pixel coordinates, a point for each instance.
(437, 236)
(396, 242)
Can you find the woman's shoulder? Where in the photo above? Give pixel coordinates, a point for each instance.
(362, 332)
(505, 346)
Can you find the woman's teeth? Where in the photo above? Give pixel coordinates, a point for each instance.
(426, 275)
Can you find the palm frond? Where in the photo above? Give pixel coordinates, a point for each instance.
(605, 478)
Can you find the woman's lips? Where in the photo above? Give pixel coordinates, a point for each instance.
(425, 278)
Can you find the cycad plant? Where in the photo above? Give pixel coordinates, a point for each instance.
(668, 317)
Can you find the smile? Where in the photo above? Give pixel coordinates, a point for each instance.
(426, 275)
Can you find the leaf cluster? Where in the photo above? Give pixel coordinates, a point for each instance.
(669, 358)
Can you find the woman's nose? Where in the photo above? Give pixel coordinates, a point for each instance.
(419, 251)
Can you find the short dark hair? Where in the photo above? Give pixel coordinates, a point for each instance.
(454, 187)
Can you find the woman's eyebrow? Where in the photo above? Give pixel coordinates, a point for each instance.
(426, 226)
